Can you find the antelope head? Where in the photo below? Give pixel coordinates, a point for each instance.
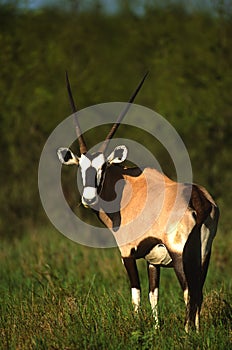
(93, 165)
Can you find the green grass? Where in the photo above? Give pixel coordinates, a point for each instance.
(55, 294)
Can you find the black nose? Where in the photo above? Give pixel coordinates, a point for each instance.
(90, 201)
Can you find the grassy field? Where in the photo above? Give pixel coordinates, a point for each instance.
(56, 294)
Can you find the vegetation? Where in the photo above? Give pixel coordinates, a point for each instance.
(55, 294)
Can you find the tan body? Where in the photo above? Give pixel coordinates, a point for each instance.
(186, 228)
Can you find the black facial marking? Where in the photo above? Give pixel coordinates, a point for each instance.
(92, 156)
(118, 153)
(91, 177)
(66, 155)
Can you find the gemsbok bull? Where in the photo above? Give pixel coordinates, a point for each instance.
(176, 234)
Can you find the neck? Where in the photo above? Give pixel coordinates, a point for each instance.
(111, 194)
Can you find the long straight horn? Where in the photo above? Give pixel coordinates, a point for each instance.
(82, 144)
(121, 116)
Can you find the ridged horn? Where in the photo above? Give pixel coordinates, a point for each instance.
(82, 144)
(121, 116)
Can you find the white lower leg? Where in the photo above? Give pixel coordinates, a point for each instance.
(197, 318)
(153, 298)
(197, 321)
(186, 296)
(135, 294)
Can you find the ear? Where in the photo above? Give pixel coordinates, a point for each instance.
(118, 155)
(66, 156)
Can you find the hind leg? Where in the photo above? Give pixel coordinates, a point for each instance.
(193, 309)
(179, 271)
(188, 274)
(205, 268)
(194, 277)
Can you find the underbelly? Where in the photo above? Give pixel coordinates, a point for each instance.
(159, 255)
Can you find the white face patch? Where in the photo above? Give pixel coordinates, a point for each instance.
(98, 161)
(86, 164)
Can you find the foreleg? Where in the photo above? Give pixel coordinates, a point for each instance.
(154, 279)
(132, 271)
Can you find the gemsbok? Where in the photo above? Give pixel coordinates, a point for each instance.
(174, 233)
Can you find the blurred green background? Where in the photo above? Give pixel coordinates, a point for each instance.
(106, 47)
(55, 294)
